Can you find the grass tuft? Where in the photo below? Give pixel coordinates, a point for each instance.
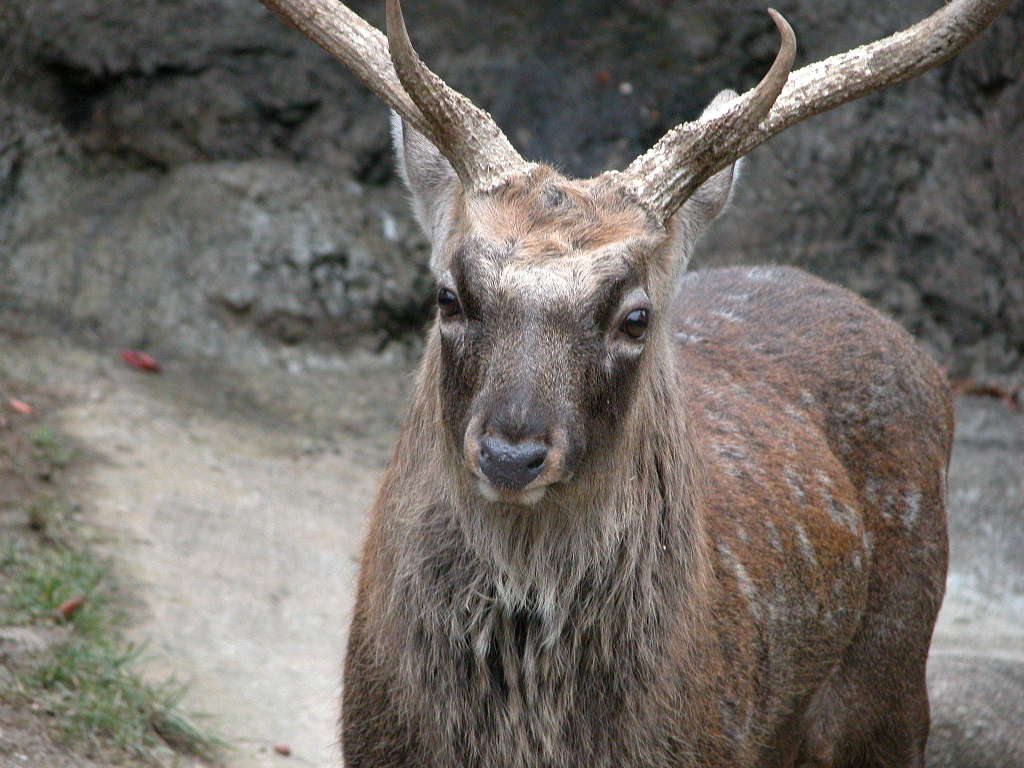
(53, 448)
(90, 682)
(95, 692)
(88, 679)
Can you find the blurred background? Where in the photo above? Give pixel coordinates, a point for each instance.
(193, 179)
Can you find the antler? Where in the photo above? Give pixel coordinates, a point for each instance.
(481, 155)
(689, 154)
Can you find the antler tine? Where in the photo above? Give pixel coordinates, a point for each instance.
(667, 174)
(480, 153)
(904, 55)
(664, 177)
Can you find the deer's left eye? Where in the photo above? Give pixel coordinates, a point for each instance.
(634, 324)
(448, 302)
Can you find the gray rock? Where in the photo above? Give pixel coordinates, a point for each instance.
(983, 611)
(986, 504)
(914, 196)
(227, 260)
(976, 670)
(977, 712)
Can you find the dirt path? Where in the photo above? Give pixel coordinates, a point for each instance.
(236, 502)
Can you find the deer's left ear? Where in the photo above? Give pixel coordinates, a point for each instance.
(428, 176)
(711, 198)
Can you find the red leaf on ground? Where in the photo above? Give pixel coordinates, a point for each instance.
(20, 406)
(140, 360)
(283, 749)
(69, 608)
(1013, 398)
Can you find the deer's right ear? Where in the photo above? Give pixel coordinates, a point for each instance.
(428, 176)
(710, 199)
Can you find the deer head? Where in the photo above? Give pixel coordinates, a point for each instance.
(553, 294)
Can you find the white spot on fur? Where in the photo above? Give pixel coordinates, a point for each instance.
(871, 489)
(912, 508)
(761, 274)
(728, 316)
(843, 515)
(731, 451)
(888, 505)
(795, 483)
(743, 580)
(806, 548)
(739, 391)
(724, 424)
(773, 536)
(796, 414)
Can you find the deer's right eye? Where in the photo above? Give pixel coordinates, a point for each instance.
(448, 302)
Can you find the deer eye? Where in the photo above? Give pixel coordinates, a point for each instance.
(448, 302)
(634, 324)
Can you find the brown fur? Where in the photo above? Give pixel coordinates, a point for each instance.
(741, 561)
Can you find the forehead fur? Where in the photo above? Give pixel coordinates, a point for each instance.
(547, 216)
(554, 235)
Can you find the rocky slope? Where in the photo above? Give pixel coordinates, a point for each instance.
(196, 177)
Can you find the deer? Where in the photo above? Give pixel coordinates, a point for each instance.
(639, 516)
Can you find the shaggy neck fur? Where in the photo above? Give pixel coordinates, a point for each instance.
(515, 625)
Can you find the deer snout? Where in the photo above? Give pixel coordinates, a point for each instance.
(511, 465)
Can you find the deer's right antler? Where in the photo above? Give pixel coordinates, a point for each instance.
(466, 135)
(666, 175)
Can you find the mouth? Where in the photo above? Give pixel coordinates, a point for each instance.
(507, 485)
(526, 497)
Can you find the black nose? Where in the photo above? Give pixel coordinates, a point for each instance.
(511, 465)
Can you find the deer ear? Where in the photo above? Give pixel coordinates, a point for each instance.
(427, 174)
(711, 197)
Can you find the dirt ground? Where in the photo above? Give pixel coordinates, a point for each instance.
(234, 503)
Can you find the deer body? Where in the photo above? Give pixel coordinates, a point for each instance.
(778, 562)
(637, 517)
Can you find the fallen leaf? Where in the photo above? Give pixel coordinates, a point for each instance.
(69, 608)
(140, 360)
(1011, 397)
(20, 406)
(283, 749)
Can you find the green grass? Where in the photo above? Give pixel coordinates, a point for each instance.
(90, 681)
(53, 448)
(48, 515)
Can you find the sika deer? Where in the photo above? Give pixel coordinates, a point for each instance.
(633, 518)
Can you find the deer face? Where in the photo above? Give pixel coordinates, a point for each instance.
(545, 308)
(552, 296)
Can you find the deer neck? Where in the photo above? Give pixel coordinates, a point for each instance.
(626, 538)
